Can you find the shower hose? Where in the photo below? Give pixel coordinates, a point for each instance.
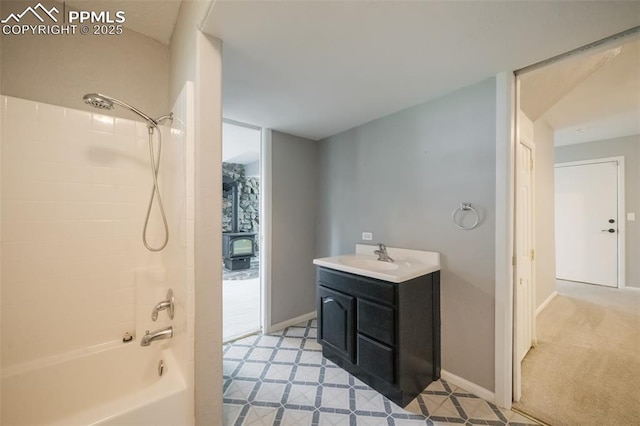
(155, 191)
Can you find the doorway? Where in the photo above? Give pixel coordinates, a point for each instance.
(569, 352)
(241, 219)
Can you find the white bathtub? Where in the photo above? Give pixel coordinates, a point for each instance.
(117, 386)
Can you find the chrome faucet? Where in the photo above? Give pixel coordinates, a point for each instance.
(165, 304)
(163, 333)
(383, 256)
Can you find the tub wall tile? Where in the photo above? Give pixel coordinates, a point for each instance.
(75, 188)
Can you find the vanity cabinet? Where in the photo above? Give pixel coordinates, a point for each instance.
(386, 334)
(337, 330)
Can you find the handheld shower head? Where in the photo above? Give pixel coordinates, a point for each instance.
(100, 101)
(97, 101)
(104, 102)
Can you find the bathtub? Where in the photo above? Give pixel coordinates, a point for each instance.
(109, 387)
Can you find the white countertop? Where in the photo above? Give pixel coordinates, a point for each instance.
(408, 264)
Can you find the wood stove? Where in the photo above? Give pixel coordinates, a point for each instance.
(237, 250)
(237, 247)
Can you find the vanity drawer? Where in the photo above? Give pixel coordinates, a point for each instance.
(358, 286)
(375, 358)
(376, 321)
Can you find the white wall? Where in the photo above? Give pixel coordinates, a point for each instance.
(197, 58)
(74, 191)
(545, 248)
(629, 148)
(176, 183)
(293, 226)
(1, 131)
(60, 69)
(400, 177)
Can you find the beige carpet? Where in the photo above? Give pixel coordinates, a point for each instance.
(586, 367)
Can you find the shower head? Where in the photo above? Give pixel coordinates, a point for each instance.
(99, 101)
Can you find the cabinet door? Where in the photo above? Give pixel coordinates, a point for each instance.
(336, 322)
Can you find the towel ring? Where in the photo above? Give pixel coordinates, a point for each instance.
(465, 207)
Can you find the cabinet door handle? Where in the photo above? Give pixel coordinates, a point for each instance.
(330, 299)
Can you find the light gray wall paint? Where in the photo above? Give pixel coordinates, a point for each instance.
(400, 177)
(294, 178)
(545, 231)
(629, 148)
(60, 69)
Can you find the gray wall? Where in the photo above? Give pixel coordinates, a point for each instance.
(293, 225)
(545, 230)
(629, 148)
(60, 69)
(400, 177)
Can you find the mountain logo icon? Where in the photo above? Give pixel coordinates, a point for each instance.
(34, 11)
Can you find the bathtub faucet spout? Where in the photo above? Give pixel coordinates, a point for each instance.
(163, 333)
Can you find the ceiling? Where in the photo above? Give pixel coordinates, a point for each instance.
(605, 105)
(153, 18)
(314, 69)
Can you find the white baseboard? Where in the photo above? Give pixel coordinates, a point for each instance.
(292, 321)
(631, 288)
(546, 302)
(470, 387)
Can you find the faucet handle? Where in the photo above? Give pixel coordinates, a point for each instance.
(168, 304)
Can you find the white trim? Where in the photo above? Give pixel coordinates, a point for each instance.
(293, 321)
(505, 142)
(622, 214)
(465, 384)
(505, 145)
(631, 288)
(265, 229)
(546, 302)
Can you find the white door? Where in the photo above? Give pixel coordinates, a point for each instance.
(524, 248)
(587, 223)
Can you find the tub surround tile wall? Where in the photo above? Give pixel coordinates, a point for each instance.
(75, 186)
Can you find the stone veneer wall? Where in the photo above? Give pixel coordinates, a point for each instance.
(249, 188)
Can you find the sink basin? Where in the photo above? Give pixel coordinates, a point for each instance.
(408, 264)
(361, 262)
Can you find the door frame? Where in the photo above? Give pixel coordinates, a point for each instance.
(621, 219)
(265, 228)
(504, 216)
(264, 236)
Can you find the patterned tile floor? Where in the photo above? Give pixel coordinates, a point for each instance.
(282, 379)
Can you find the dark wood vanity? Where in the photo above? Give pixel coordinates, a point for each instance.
(386, 334)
